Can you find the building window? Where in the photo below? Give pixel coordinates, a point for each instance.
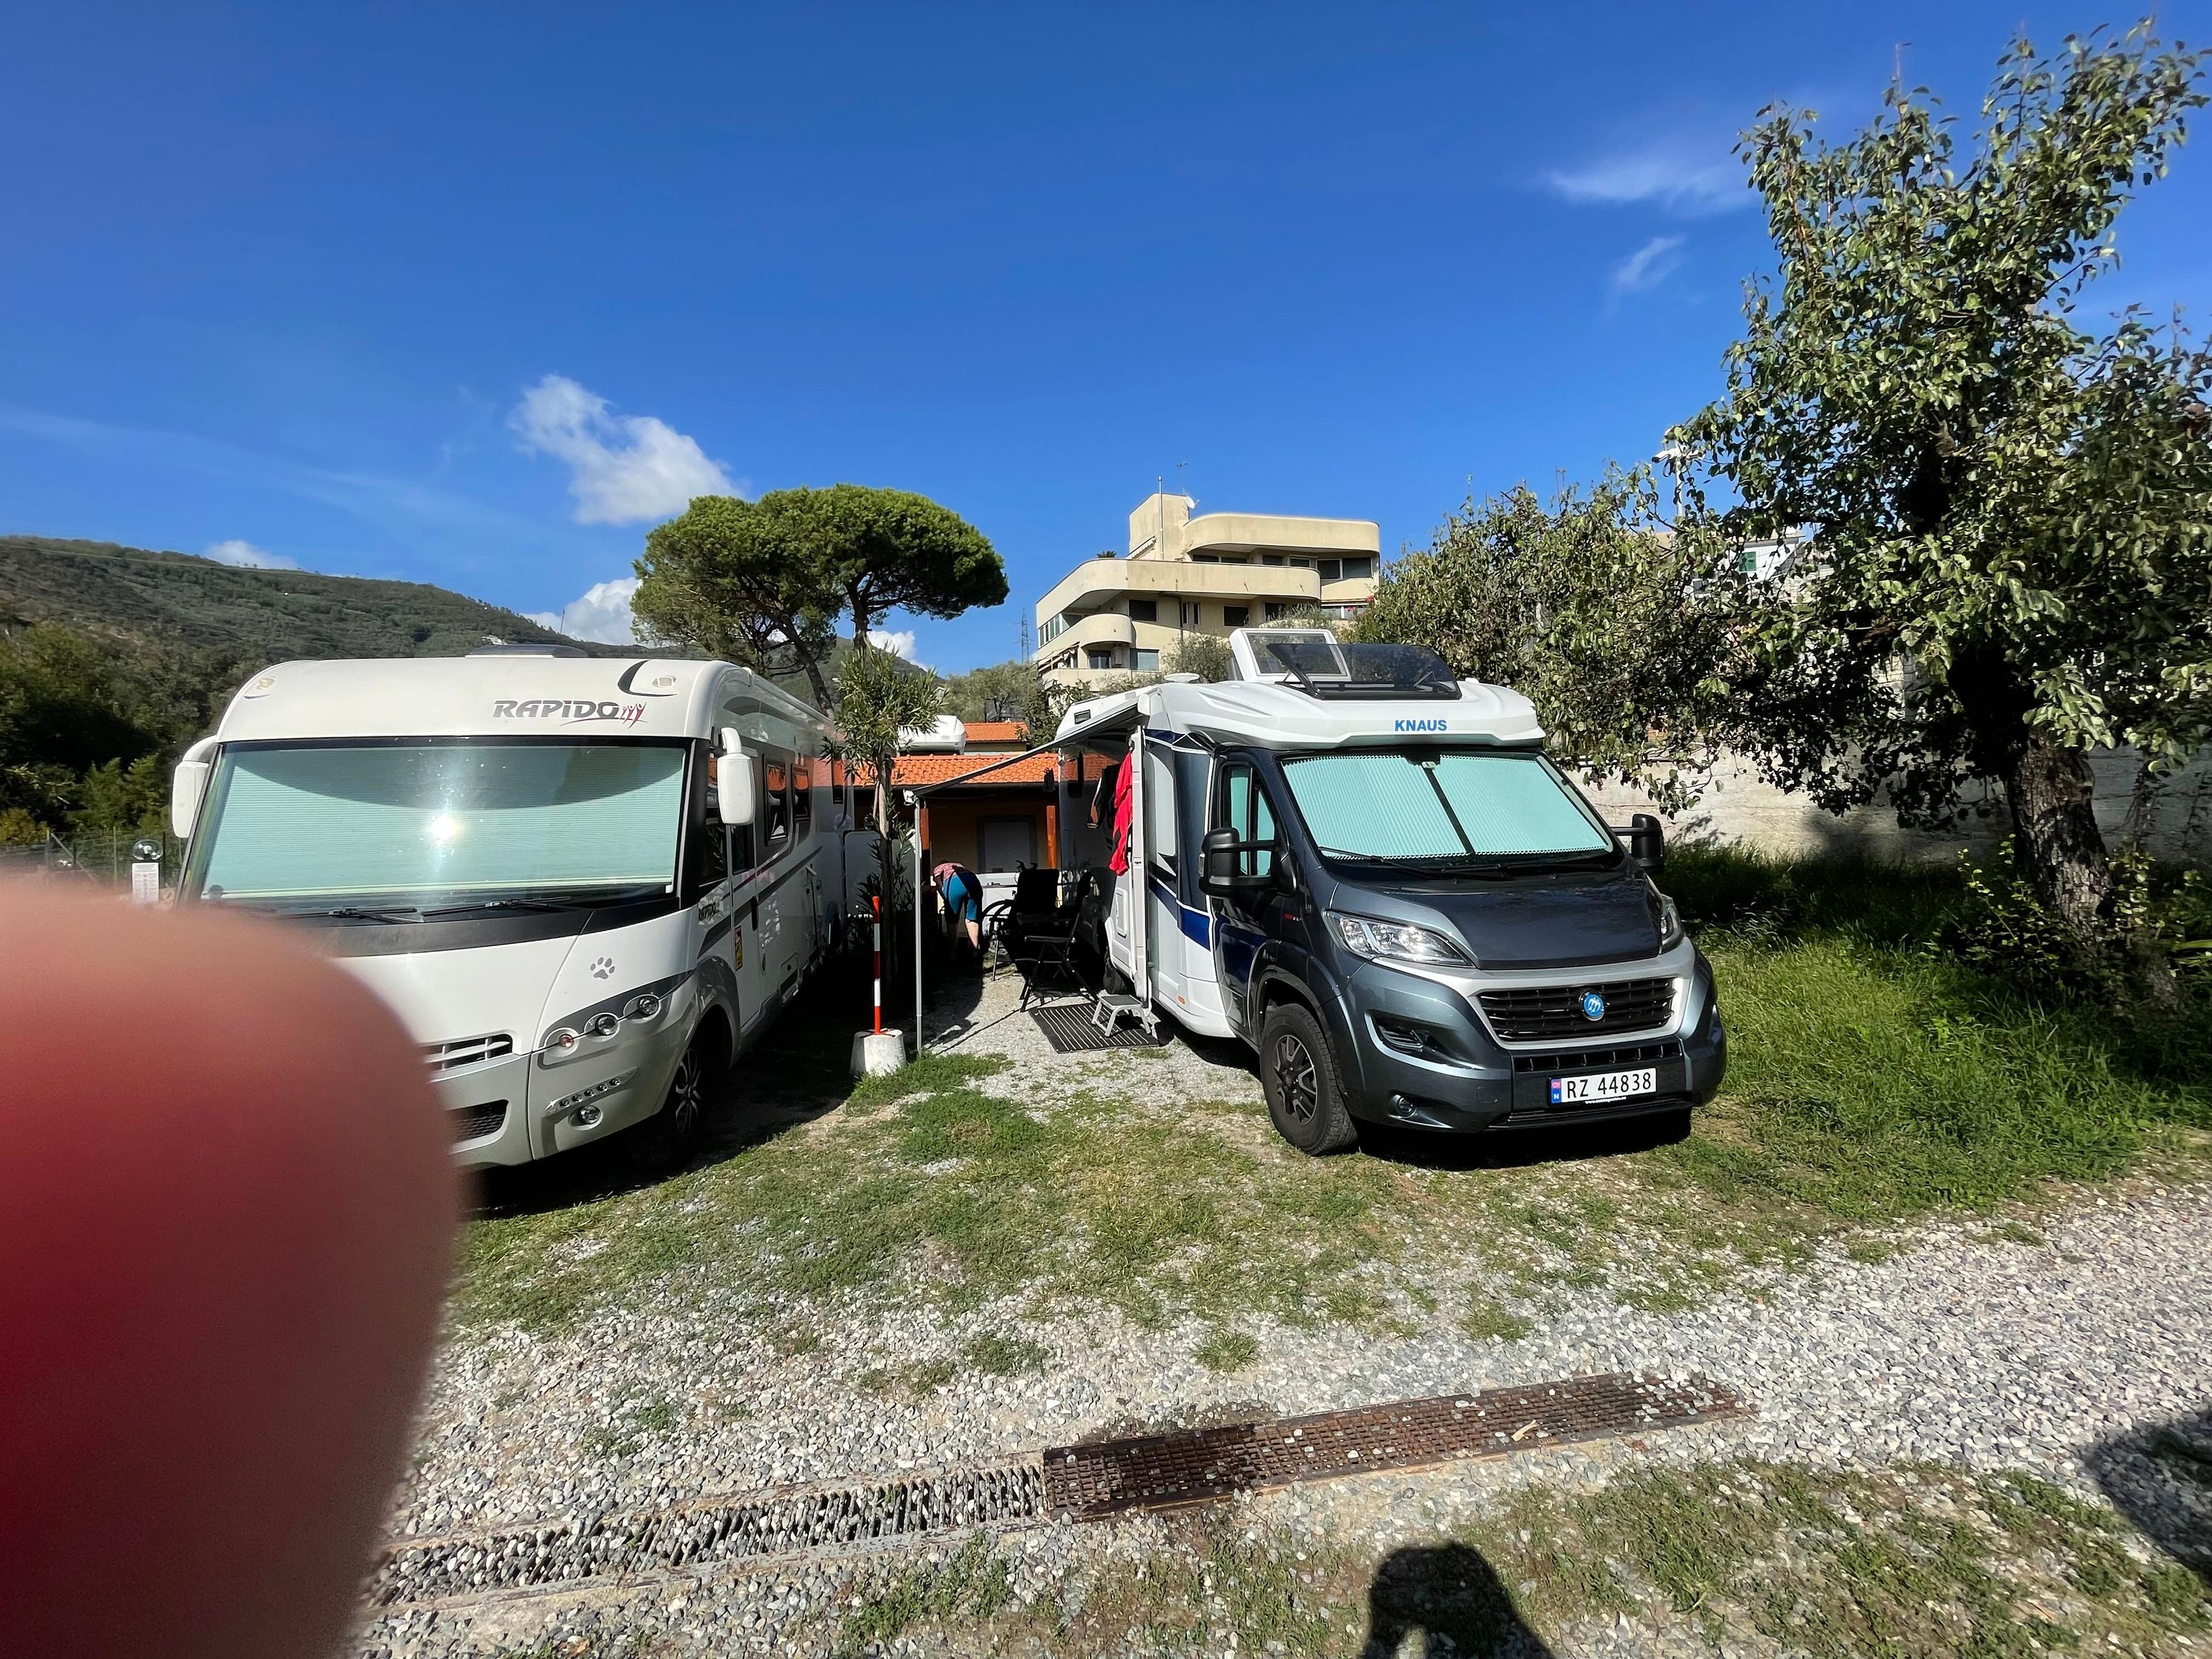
(1302, 564)
(1276, 613)
(1271, 558)
(1099, 659)
(1205, 558)
(1144, 610)
(1345, 570)
(1053, 627)
(1235, 616)
(1144, 662)
(1187, 613)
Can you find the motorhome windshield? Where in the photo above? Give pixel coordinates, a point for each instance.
(1436, 808)
(410, 828)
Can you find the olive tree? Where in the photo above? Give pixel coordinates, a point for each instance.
(1622, 631)
(2010, 512)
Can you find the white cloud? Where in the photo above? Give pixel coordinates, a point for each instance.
(601, 614)
(246, 555)
(1649, 266)
(899, 642)
(622, 469)
(1672, 177)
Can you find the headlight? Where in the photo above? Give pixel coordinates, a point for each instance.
(1394, 941)
(1670, 920)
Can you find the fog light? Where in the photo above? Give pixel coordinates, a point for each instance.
(602, 1025)
(581, 1101)
(588, 1117)
(646, 1005)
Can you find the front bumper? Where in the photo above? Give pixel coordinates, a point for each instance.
(1464, 1080)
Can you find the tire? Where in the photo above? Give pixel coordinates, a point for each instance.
(1299, 1075)
(680, 1128)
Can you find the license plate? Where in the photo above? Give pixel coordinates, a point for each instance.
(1596, 1087)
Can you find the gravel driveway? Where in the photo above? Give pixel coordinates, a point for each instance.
(1966, 1346)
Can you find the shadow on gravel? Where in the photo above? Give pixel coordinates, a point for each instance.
(1455, 1598)
(2159, 1476)
(1518, 1148)
(799, 1070)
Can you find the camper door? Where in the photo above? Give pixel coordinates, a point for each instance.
(1126, 927)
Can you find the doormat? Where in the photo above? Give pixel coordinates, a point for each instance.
(1068, 1027)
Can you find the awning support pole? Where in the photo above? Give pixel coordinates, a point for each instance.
(917, 934)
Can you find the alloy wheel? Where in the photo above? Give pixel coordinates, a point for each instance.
(1294, 1079)
(686, 1096)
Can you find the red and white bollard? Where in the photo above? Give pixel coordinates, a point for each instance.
(878, 1053)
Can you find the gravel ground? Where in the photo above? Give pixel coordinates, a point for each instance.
(1960, 1348)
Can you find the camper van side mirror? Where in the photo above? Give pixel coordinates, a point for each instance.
(186, 787)
(733, 781)
(1647, 842)
(1217, 872)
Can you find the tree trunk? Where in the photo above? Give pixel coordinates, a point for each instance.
(823, 699)
(2062, 851)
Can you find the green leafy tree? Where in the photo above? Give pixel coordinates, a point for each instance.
(1006, 691)
(1620, 630)
(2012, 515)
(880, 699)
(770, 579)
(1206, 655)
(723, 580)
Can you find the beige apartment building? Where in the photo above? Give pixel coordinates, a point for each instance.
(1207, 574)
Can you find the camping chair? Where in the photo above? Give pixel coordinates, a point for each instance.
(1038, 934)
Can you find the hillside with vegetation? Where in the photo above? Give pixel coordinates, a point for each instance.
(113, 659)
(176, 598)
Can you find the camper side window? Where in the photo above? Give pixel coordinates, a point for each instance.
(1159, 809)
(776, 805)
(710, 860)
(802, 794)
(1244, 807)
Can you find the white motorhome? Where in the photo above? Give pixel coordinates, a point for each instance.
(585, 885)
(1371, 873)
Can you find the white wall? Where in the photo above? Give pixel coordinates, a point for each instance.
(2174, 815)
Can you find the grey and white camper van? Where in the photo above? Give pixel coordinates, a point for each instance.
(585, 885)
(1371, 873)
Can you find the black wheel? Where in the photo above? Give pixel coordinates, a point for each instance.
(1298, 1074)
(680, 1128)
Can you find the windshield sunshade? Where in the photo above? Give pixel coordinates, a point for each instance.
(388, 821)
(1441, 807)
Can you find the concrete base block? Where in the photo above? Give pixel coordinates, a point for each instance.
(878, 1053)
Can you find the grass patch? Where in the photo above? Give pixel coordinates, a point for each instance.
(970, 1586)
(1730, 1556)
(1000, 1355)
(632, 1425)
(1086, 1203)
(1228, 1351)
(1486, 1320)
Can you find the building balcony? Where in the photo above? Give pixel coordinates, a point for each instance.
(1097, 583)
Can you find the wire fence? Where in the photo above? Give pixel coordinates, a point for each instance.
(95, 858)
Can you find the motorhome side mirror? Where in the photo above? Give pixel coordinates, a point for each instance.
(1217, 872)
(186, 787)
(1647, 842)
(733, 781)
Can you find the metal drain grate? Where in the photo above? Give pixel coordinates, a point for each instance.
(703, 1533)
(1090, 1482)
(1068, 1027)
(1196, 1465)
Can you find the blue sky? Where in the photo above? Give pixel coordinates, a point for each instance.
(467, 296)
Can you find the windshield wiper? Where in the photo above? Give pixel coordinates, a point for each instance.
(492, 904)
(357, 913)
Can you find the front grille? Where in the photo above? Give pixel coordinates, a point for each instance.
(475, 1122)
(465, 1051)
(1539, 1011)
(1598, 1059)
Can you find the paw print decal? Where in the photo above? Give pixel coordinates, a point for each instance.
(603, 968)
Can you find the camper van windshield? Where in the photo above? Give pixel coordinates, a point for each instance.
(1438, 807)
(411, 826)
